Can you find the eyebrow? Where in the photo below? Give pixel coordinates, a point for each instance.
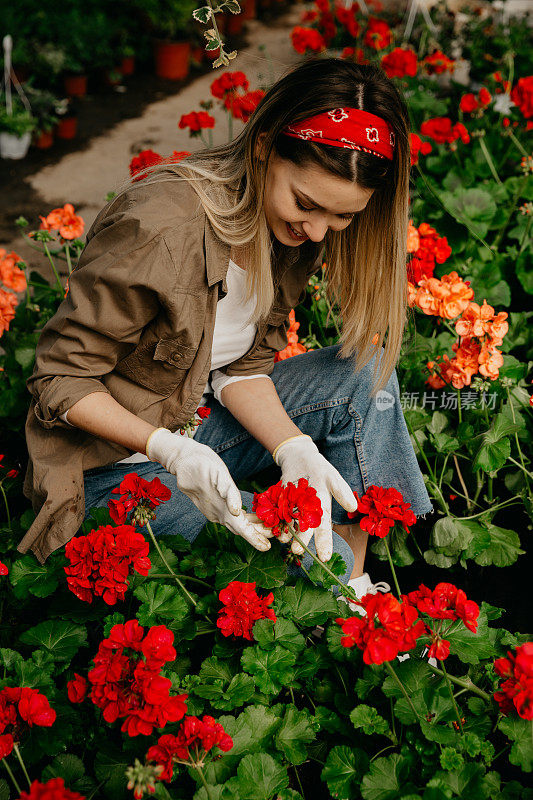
(314, 203)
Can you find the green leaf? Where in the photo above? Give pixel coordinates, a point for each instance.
(110, 766)
(367, 718)
(260, 776)
(492, 457)
(272, 669)
(284, 632)
(61, 639)
(203, 14)
(449, 536)
(343, 770)
(319, 575)
(214, 668)
(471, 647)
(226, 697)
(25, 356)
(27, 576)
(397, 542)
(4, 790)
(65, 766)
(252, 731)
(266, 570)
(474, 208)
(305, 604)
(503, 550)
(520, 731)
(465, 782)
(159, 602)
(297, 730)
(387, 779)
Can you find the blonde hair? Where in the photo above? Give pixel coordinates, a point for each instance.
(366, 262)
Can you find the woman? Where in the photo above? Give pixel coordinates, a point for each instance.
(181, 297)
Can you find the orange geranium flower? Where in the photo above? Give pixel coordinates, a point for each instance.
(65, 221)
(490, 361)
(413, 239)
(446, 297)
(8, 303)
(11, 275)
(294, 347)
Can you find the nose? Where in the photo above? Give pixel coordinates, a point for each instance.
(315, 228)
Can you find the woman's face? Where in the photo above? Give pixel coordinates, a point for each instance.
(310, 200)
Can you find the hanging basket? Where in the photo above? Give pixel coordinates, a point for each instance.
(12, 146)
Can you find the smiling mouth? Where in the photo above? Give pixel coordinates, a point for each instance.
(297, 234)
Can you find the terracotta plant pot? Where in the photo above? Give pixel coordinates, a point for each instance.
(198, 54)
(44, 140)
(66, 128)
(249, 9)
(172, 60)
(234, 24)
(76, 85)
(127, 66)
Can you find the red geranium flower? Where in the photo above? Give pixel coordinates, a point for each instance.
(441, 130)
(437, 63)
(446, 601)
(516, 691)
(522, 96)
(126, 683)
(281, 508)
(228, 82)
(139, 494)
(54, 789)
(242, 608)
(378, 34)
(383, 507)
(77, 689)
(194, 738)
(346, 17)
(196, 121)
(20, 708)
(389, 627)
(468, 103)
(399, 63)
(431, 249)
(101, 562)
(307, 39)
(242, 106)
(203, 412)
(3, 569)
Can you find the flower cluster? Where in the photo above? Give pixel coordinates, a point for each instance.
(427, 249)
(13, 278)
(304, 39)
(347, 18)
(140, 495)
(443, 131)
(11, 473)
(8, 304)
(418, 147)
(196, 121)
(281, 508)
(400, 63)
(516, 691)
(445, 297)
(68, 224)
(294, 347)
(126, 681)
(242, 607)
(149, 158)
(378, 34)
(194, 738)
(436, 63)
(54, 789)
(241, 105)
(445, 602)
(388, 628)
(382, 509)
(469, 103)
(21, 707)
(201, 413)
(522, 96)
(102, 561)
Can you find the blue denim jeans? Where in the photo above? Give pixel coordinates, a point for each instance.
(365, 439)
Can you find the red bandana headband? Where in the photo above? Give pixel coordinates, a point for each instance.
(351, 128)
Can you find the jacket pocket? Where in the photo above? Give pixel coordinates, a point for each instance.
(160, 366)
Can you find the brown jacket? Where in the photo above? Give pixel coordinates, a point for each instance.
(137, 323)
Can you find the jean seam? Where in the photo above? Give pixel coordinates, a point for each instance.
(358, 441)
(297, 412)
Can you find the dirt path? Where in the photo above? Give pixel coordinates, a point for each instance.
(93, 166)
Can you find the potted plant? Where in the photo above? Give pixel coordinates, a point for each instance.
(67, 113)
(43, 105)
(15, 131)
(127, 65)
(172, 25)
(75, 79)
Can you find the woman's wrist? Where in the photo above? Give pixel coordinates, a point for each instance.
(298, 436)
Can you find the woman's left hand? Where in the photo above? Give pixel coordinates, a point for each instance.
(301, 458)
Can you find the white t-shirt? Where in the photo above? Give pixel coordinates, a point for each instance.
(232, 338)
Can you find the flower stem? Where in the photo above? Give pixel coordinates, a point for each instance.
(466, 684)
(22, 764)
(202, 778)
(394, 676)
(6, 503)
(346, 589)
(465, 490)
(490, 162)
(450, 689)
(389, 556)
(183, 577)
(67, 251)
(509, 398)
(10, 773)
(167, 565)
(51, 260)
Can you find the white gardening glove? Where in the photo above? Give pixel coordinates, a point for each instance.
(299, 457)
(202, 475)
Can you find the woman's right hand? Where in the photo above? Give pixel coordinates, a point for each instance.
(202, 475)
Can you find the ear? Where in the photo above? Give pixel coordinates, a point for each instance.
(259, 147)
